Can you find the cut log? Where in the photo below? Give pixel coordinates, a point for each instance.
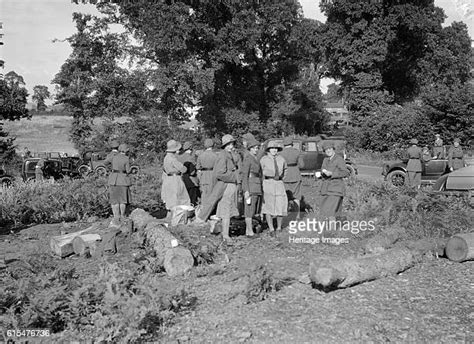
(329, 274)
(83, 243)
(460, 247)
(61, 245)
(178, 260)
(384, 240)
(158, 237)
(140, 218)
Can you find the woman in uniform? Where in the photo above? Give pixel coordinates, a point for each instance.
(275, 201)
(456, 156)
(414, 164)
(173, 190)
(119, 184)
(251, 184)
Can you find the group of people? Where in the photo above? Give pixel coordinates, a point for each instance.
(417, 155)
(267, 178)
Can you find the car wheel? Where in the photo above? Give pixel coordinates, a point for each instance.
(5, 182)
(83, 170)
(101, 171)
(134, 170)
(351, 170)
(397, 178)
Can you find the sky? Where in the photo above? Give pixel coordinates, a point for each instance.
(30, 26)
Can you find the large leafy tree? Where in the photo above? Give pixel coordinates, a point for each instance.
(40, 94)
(13, 100)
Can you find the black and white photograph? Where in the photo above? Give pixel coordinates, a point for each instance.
(236, 171)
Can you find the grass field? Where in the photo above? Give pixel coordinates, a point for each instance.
(42, 134)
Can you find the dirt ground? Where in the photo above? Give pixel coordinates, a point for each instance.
(431, 302)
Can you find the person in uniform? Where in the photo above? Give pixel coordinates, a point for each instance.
(188, 159)
(39, 176)
(119, 184)
(292, 180)
(204, 165)
(251, 185)
(414, 164)
(275, 201)
(438, 149)
(456, 156)
(173, 190)
(114, 145)
(332, 191)
(426, 154)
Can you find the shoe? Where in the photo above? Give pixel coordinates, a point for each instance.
(228, 241)
(273, 234)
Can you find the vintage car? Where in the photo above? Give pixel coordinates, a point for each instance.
(313, 154)
(459, 181)
(52, 168)
(94, 163)
(396, 173)
(5, 179)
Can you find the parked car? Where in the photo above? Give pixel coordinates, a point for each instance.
(459, 181)
(5, 178)
(313, 154)
(52, 168)
(94, 162)
(397, 174)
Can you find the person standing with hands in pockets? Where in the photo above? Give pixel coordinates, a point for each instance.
(333, 170)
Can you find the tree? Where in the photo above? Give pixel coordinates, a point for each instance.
(40, 94)
(13, 100)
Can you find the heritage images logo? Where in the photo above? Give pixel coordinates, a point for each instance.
(313, 225)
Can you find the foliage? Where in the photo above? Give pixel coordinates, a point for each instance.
(68, 200)
(390, 128)
(13, 100)
(261, 281)
(40, 94)
(116, 305)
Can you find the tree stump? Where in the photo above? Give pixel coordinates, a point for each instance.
(85, 243)
(460, 247)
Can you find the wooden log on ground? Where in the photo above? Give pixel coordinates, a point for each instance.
(384, 240)
(460, 247)
(61, 245)
(341, 273)
(178, 260)
(85, 243)
(157, 236)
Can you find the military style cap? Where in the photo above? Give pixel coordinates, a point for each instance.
(457, 139)
(173, 146)
(187, 145)
(248, 136)
(252, 143)
(123, 148)
(414, 141)
(226, 139)
(328, 144)
(274, 144)
(288, 141)
(114, 144)
(208, 143)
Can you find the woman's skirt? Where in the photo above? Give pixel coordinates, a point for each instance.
(275, 202)
(173, 191)
(120, 194)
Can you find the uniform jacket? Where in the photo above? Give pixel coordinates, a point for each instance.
(204, 165)
(456, 157)
(251, 175)
(120, 169)
(268, 166)
(108, 159)
(226, 168)
(414, 155)
(334, 185)
(294, 161)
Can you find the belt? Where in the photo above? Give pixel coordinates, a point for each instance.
(266, 177)
(205, 169)
(456, 158)
(292, 165)
(254, 175)
(117, 171)
(173, 174)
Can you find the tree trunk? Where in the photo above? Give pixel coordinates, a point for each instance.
(175, 260)
(460, 247)
(61, 245)
(330, 274)
(178, 260)
(85, 243)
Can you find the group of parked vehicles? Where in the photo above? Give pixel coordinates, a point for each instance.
(58, 166)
